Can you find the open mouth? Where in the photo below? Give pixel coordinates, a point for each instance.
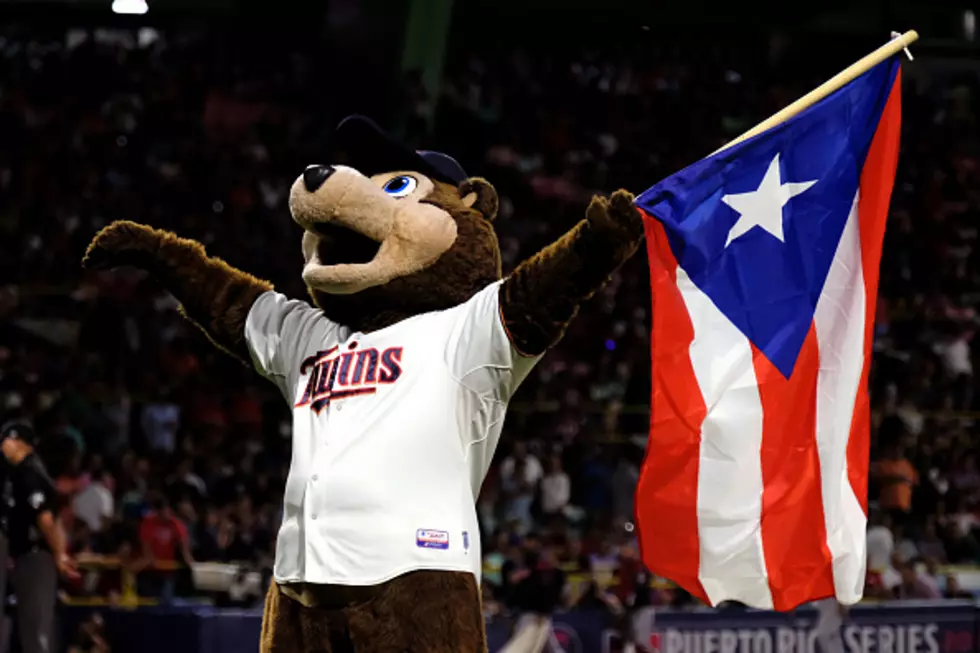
(338, 245)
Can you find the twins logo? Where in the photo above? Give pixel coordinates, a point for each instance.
(334, 376)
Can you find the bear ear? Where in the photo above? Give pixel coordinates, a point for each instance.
(477, 193)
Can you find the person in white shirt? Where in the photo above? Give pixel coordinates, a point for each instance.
(957, 358)
(556, 488)
(95, 504)
(399, 380)
(532, 471)
(881, 542)
(520, 475)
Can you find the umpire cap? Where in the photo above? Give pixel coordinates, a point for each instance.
(19, 430)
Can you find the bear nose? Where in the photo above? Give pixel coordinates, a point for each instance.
(314, 176)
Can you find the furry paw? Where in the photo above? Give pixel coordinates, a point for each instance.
(122, 243)
(617, 213)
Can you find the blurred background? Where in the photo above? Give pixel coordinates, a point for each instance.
(196, 116)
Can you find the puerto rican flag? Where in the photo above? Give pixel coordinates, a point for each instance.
(764, 269)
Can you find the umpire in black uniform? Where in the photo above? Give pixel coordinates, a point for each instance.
(33, 537)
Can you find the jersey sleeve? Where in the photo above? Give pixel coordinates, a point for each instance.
(480, 354)
(36, 488)
(279, 331)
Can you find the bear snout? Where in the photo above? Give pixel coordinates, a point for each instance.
(334, 194)
(315, 175)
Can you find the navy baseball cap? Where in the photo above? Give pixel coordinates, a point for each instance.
(371, 151)
(19, 430)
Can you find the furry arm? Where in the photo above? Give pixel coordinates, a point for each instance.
(543, 294)
(213, 295)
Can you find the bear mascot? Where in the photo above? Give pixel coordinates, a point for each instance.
(398, 374)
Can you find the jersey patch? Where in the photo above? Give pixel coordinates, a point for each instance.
(429, 539)
(36, 500)
(333, 375)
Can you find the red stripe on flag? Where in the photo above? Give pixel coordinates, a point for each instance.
(668, 488)
(794, 536)
(877, 180)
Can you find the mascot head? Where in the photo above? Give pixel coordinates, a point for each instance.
(394, 232)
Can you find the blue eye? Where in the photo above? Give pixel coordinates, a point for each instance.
(400, 186)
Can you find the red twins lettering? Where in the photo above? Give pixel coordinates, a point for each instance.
(332, 376)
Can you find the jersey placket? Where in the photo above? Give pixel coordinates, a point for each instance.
(334, 433)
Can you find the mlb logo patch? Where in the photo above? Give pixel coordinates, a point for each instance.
(466, 541)
(429, 539)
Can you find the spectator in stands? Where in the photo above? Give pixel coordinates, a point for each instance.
(556, 489)
(95, 505)
(117, 409)
(905, 547)
(632, 588)
(519, 456)
(495, 554)
(165, 543)
(516, 567)
(625, 478)
(912, 587)
(953, 589)
(595, 595)
(133, 485)
(597, 480)
(184, 482)
(205, 535)
(958, 364)
(881, 582)
(896, 477)
(962, 546)
(520, 474)
(930, 545)
(540, 590)
(880, 541)
(160, 420)
(928, 574)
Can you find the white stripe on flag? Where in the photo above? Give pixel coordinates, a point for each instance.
(732, 565)
(839, 321)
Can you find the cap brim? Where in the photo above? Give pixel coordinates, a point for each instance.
(371, 151)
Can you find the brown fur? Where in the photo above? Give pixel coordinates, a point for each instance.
(419, 612)
(543, 294)
(471, 264)
(213, 295)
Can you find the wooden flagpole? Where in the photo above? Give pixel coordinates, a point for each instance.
(845, 76)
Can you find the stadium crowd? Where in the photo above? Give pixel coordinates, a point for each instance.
(166, 452)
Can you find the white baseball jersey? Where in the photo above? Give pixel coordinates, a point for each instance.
(393, 433)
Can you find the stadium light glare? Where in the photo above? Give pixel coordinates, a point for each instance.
(130, 6)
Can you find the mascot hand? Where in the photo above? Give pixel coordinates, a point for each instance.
(617, 214)
(122, 243)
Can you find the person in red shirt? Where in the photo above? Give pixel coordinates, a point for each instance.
(165, 543)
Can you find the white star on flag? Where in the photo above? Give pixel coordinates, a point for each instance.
(763, 207)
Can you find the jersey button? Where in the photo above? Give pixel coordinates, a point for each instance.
(315, 477)
(340, 407)
(314, 516)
